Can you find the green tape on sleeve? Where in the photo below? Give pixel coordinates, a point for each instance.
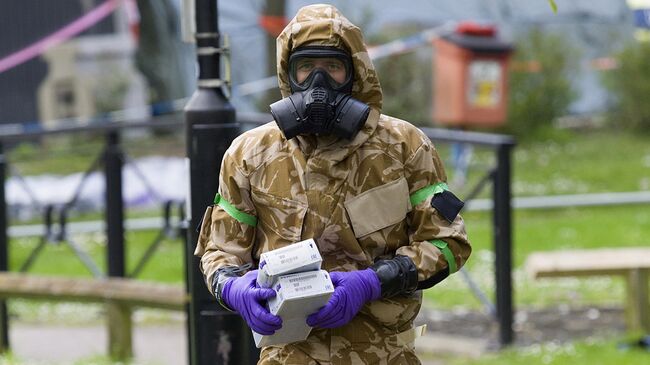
(422, 194)
(234, 212)
(449, 256)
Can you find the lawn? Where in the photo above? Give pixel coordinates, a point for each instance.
(602, 161)
(166, 265)
(549, 229)
(593, 162)
(584, 163)
(575, 163)
(592, 352)
(93, 360)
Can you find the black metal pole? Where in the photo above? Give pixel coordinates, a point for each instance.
(113, 161)
(118, 317)
(216, 336)
(503, 244)
(4, 252)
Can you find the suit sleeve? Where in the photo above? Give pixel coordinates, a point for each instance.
(228, 228)
(438, 243)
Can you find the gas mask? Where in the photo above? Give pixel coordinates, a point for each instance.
(320, 103)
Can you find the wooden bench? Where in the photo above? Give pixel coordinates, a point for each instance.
(120, 296)
(633, 264)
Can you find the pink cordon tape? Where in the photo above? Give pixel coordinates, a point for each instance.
(36, 49)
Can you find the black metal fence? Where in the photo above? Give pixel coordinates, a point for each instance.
(112, 159)
(500, 175)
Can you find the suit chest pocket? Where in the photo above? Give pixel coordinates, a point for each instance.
(379, 207)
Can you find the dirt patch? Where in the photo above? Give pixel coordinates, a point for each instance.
(557, 324)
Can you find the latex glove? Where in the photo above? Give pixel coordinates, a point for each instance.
(351, 291)
(243, 295)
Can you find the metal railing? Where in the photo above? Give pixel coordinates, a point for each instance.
(500, 175)
(113, 157)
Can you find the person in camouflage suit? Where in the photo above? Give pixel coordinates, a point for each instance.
(375, 202)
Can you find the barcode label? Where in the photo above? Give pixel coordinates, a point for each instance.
(288, 260)
(303, 288)
(302, 278)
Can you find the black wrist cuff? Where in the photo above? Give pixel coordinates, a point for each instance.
(397, 276)
(220, 278)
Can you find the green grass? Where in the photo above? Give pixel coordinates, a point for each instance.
(594, 162)
(571, 163)
(569, 228)
(65, 154)
(166, 265)
(58, 155)
(591, 163)
(92, 360)
(592, 352)
(543, 230)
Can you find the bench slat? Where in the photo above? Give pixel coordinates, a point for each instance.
(128, 291)
(617, 261)
(632, 263)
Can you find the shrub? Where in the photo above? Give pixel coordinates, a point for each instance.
(629, 87)
(540, 83)
(405, 78)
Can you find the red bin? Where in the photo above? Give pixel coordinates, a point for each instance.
(471, 77)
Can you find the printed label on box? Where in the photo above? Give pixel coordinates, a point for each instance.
(297, 296)
(298, 257)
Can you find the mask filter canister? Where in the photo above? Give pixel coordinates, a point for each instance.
(319, 105)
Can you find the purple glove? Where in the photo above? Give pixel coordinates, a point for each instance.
(351, 291)
(243, 295)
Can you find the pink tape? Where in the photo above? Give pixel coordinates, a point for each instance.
(36, 49)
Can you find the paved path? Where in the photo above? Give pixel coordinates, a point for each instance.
(165, 344)
(153, 344)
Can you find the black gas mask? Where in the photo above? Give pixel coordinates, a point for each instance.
(321, 82)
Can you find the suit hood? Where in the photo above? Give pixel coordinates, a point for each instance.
(324, 25)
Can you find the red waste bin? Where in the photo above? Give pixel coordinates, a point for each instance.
(471, 77)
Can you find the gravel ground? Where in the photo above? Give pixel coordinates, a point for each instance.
(464, 333)
(160, 344)
(558, 324)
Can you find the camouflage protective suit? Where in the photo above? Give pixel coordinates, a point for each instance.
(360, 199)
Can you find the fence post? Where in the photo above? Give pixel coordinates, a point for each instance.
(114, 205)
(4, 251)
(216, 336)
(503, 243)
(118, 316)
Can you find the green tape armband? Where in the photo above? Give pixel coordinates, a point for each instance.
(422, 194)
(449, 256)
(234, 212)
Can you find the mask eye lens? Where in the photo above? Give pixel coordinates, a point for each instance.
(334, 65)
(302, 67)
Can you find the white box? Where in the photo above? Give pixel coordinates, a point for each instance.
(297, 257)
(297, 296)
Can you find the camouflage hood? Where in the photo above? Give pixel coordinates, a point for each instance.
(324, 25)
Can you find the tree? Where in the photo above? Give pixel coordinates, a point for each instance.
(540, 82)
(405, 78)
(629, 86)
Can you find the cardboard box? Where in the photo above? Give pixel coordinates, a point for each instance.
(297, 296)
(297, 257)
